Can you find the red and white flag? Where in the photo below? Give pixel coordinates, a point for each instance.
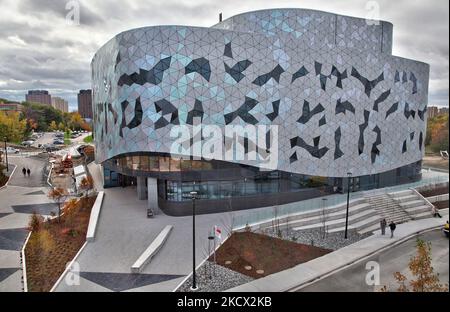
(217, 232)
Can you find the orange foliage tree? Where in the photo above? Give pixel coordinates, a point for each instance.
(58, 195)
(425, 279)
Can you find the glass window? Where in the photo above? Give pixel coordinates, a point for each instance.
(144, 163)
(164, 164)
(185, 164)
(197, 164)
(154, 163)
(174, 164)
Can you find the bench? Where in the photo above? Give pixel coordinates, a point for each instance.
(151, 250)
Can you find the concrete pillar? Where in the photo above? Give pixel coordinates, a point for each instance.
(141, 191)
(152, 186)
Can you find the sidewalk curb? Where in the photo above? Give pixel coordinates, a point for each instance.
(9, 178)
(360, 259)
(68, 267)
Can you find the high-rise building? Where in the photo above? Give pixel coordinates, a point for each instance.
(60, 104)
(85, 103)
(433, 111)
(39, 96)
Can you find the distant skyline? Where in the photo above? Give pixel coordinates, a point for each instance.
(39, 49)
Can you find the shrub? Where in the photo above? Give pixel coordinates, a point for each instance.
(35, 222)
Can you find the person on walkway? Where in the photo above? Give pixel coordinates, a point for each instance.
(28, 171)
(436, 212)
(383, 225)
(24, 171)
(392, 226)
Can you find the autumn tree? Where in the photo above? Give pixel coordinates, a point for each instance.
(53, 126)
(438, 133)
(12, 127)
(86, 184)
(58, 195)
(424, 277)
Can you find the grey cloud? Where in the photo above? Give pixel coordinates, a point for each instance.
(58, 9)
(57, 57)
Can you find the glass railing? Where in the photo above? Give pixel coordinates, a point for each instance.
(260, 215)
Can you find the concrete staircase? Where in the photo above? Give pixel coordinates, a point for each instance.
(387, 208)
(365, 213)
(413, 203)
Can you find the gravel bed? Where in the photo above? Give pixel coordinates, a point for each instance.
(222, 279)
(316, 238)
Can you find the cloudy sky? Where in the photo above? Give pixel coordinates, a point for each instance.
(40, 49)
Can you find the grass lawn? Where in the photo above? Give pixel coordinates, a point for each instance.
(88, 139)
(55, 244)
(263, 252)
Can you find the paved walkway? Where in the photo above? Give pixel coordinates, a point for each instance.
(305, 273)
(18, 200)
(394, 259)
(124, 232)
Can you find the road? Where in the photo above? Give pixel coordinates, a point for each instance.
(36, 166)
(19, 200)
(392, 260)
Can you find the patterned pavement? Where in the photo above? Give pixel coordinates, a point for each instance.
(18, 200)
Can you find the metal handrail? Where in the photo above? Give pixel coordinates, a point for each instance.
(399, 206)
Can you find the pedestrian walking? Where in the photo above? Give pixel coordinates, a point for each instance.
(24, 171)
(28, 171)
(436, 212)
(392, 226)
(383, 225)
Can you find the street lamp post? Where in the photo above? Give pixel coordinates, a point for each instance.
(6, 156)
(349, 174)
(194, 277)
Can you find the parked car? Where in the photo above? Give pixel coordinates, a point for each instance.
(50, 147)
(10, 150)
(58, 142)
(27, 143)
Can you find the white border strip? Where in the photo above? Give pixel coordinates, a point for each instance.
(49, 175)
(93, 218)
(68, 267)
(24, 264)
(201, 263)
(9, 177)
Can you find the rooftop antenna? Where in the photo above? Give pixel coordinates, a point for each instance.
(220, 17)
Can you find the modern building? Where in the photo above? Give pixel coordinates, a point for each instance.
(11, 107)
(39, 96)
(324, 89)
(85, 103)
(60, 104)
(433, 111)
